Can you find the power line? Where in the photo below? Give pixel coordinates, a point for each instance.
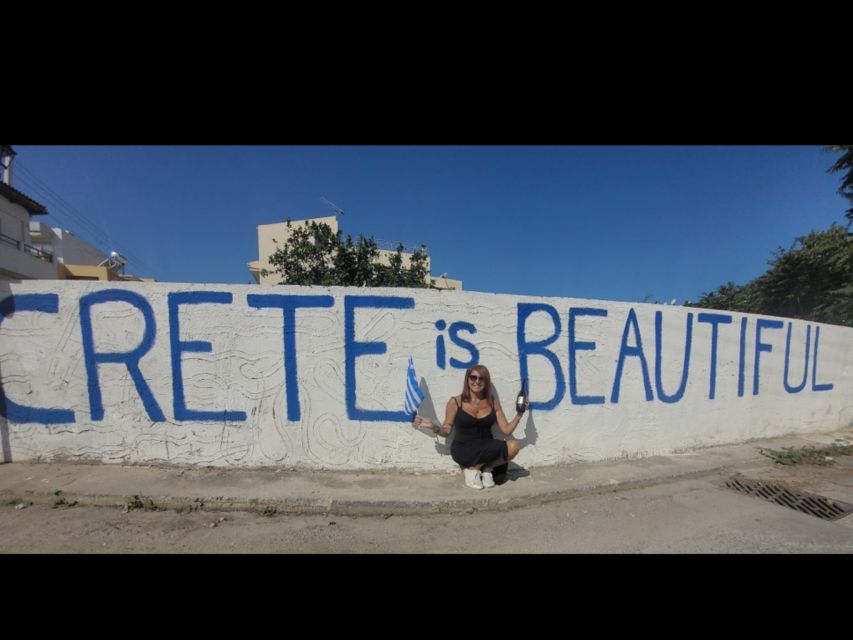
(92, 232)
(97, 230)
(64, 217)
(37, 183)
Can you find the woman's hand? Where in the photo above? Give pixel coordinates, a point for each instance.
(526, 407)
(423, 423)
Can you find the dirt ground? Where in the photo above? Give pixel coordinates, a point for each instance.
(692, 515)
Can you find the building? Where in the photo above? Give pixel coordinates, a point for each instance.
(32, 250)
(19, 258)
(76, 259)
(272, 236)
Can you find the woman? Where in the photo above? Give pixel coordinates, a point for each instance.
(473, 413)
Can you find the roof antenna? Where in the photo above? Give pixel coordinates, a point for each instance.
(332, 206)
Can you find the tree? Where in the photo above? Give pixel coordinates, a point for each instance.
(731, 297)
(315, 255)
(307, 256)
(813, 280)
(395, 274)
(845, 162)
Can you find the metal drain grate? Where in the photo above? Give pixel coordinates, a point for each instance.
(814, 505)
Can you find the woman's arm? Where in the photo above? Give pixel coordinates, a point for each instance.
(444, 429)
(506, 426)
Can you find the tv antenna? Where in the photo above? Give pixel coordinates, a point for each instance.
(332, 206)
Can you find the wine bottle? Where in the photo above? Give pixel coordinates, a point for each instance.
(521, 399)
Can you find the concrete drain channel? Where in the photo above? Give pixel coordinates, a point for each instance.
(813, 505)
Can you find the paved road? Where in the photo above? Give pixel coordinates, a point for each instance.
(693, 513)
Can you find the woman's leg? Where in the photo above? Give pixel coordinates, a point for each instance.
(512, 449)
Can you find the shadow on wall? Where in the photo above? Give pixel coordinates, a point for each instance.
(428, 411)
(530, 433)
(529, 426)
(5, 292)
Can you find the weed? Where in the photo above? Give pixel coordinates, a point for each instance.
(58, 499)
(269, 511)
(195, 505)
(140, 502)
(808, 455)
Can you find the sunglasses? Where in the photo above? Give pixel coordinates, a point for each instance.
(476, 378)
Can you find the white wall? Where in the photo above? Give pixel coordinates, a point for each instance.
(69, 249)
(343, 391)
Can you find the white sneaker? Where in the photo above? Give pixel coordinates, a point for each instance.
(472, 478)
(486, 477)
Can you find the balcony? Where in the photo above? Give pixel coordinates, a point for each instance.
(21, 261)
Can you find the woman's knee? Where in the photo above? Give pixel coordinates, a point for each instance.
(512, 448)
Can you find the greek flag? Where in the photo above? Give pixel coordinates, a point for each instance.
(414, 395)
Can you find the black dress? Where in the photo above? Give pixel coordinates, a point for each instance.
(473, 443)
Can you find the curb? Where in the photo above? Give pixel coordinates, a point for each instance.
(296, 493)
(347, 507)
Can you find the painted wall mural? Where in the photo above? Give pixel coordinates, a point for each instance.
(311, 377)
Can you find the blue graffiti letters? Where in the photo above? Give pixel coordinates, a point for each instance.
(585, 359)
(574, 347)
(525, 349)
(675, 397)
(289, 305)
(354, 350)
(801, 386)
(741, 373)
(714, 319)
(197, 346)
(762, 346)
(440, 352)
(130, 359)
(43, 303)
(626, 351)
(453, 332)
(815, 385)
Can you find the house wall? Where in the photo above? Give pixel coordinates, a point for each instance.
(15, 264)
(14, 220)
(69, 249)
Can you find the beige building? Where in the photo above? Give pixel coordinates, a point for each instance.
(273, 236)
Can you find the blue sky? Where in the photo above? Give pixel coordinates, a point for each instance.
(611, 223)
